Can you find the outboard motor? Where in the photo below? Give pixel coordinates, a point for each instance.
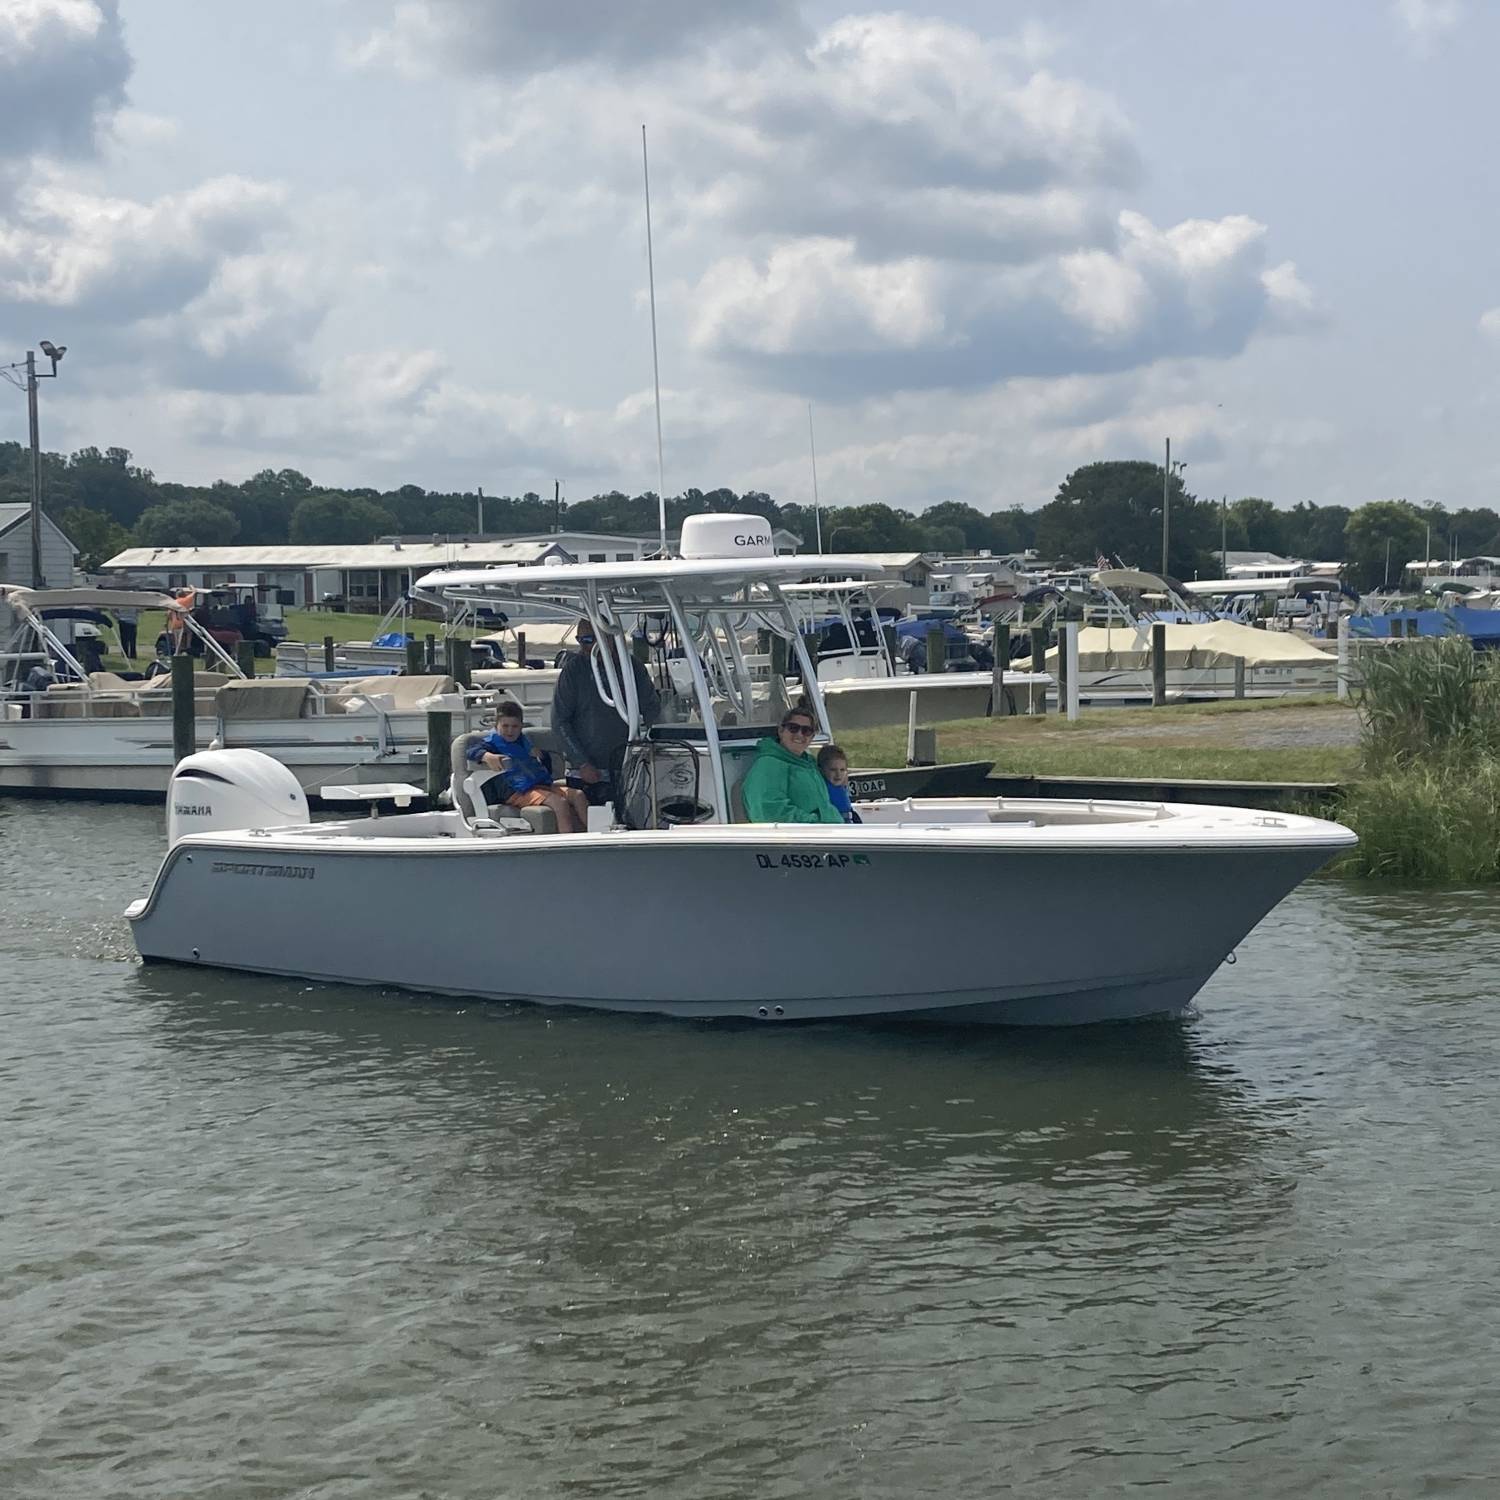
(218, 790)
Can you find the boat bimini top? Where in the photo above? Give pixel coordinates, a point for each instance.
(35, 607)
(709, 602)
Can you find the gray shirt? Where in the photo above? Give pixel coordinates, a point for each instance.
(590, 730)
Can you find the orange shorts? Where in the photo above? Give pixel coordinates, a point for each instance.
(537, 797)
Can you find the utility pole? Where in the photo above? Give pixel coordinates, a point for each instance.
(1224, 535)
(36, 472)
(54, 352)
(556, 506)
(481, 510)
(1166, 506)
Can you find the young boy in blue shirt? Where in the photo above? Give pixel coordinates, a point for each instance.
(833, 765)
(524, 781)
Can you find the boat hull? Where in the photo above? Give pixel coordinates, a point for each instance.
(747, 929)
(131, 758)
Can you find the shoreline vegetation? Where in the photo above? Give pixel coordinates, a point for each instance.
(1426, 804)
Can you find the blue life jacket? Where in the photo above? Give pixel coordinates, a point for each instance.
(843, 804)
(525, 772)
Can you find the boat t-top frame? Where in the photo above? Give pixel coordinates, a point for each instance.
(711, 604)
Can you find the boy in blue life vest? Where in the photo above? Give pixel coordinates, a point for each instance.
(524, 781)
(833, 765)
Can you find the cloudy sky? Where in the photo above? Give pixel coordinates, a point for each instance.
(390, 241)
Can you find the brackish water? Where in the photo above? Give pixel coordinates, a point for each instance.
(264, 1239)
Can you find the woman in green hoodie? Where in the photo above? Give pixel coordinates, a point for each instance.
(784, 785)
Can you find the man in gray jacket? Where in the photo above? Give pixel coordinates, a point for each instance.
(592, 733)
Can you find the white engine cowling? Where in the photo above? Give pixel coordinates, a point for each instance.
(218, 790)
(711, 536)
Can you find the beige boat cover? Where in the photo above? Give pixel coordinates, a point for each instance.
(260, 698)
(1193, 647)
(404, 691)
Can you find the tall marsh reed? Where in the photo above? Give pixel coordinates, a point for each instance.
(1427, 808)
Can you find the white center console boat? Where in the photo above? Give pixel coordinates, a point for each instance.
(678, 906)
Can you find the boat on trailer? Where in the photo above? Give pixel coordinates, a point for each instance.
(685, 908)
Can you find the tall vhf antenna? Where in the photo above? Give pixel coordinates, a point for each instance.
(812, 448)
(661, 472)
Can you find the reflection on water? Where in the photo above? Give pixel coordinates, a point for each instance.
(268, 1238)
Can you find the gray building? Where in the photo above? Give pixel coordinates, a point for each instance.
(59, 555)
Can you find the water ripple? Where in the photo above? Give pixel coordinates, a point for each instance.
(270, 1239)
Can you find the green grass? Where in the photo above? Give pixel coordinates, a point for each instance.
(310, 625)
(1187, 742)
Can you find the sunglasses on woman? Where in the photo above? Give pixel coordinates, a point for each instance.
(806, 730)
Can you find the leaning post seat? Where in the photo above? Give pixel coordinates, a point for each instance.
(462, 773)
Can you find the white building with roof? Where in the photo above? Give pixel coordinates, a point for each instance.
(372, 576)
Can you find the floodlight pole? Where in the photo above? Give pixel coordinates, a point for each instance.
(37, 580)
(29, 385)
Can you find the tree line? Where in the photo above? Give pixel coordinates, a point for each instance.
(105, 502)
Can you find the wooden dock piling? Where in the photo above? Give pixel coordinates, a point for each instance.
(1000, 705)
(1158, 664)
(460, 661)
(184, 708)
(413, 656)
(937, 649)
(439, 743)
(328, 653)
(1039, 664)
(244, 656)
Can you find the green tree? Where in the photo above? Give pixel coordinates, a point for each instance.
(1316, 532)
(870, 528)
(973, 526)
(109, 482)
(332, 518)
(185, 523)
(1470, 532)
(1264, 527)
(97, 535)
(947, 539)
(1114, 509)
(1381, 538)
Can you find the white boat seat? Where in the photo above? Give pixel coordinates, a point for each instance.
(541, 819)
(513, 820)
(462, 781)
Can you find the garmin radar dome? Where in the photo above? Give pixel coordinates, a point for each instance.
(714, 536)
